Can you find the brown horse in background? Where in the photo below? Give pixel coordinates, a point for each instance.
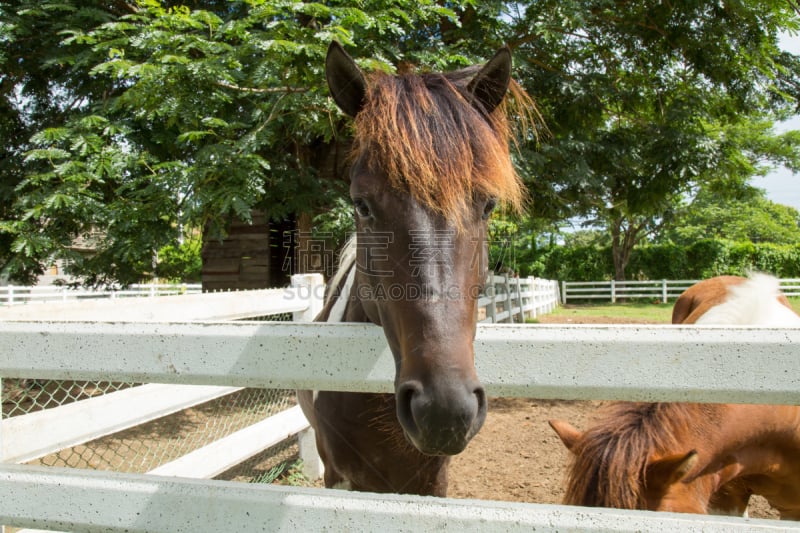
(430, 163)
(689, 457)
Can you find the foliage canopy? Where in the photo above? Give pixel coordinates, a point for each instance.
(127, 121)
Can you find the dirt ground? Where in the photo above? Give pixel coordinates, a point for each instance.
(518, 457)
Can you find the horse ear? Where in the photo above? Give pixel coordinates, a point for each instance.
(665, 471)
(566, 432)
(490, 84)
(345, 80)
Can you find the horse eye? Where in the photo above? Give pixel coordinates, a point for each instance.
(361, 207)
(491, 203)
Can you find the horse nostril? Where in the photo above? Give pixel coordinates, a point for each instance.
(405, 396)
(480, 395)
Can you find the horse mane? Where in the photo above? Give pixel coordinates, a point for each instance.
(347, 258)
(609, 460)
(432, 140)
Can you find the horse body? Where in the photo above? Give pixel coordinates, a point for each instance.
(734, 300)
(430, 162)
(689, 457)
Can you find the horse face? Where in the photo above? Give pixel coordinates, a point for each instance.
(419, 271)
(419, 278)
(671, 487)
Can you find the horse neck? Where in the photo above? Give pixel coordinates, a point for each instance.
(750, 440)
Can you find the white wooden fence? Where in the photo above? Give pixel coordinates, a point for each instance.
(513, 300)
(648, 363)
(23, 294)
(506, 299)
(661, 289)
(671, 363)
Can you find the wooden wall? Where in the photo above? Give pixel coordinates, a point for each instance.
(252, 256)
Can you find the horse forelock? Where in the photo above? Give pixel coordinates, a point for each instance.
(609, 461)
(430, 140)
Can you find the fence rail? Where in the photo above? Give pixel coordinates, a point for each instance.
(22, 294)
(662, 289)
(717, 364)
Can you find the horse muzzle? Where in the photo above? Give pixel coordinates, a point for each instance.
(440, 420)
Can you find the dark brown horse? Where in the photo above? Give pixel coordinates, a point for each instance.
(431, 161)
(689, 457)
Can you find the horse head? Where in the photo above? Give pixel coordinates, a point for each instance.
(430, 162)
(624, 474)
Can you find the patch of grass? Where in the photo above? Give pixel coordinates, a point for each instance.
(644, 311)
(795, 301)
(286, 473)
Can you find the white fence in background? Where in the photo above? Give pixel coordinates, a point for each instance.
(715, 364)
(21, 294)
(506, 299)
(513, 300)
(661, 289)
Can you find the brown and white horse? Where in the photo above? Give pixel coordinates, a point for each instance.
(733, 300)
(689, 457)
(430, 162)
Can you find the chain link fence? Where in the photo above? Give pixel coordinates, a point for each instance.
(147, 446)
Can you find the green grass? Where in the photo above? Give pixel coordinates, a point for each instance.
(795, 301)
(644, 311)
(286, 473)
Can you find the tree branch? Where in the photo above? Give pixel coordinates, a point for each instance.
(268, 90)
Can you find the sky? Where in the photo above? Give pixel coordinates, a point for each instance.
(782, 186)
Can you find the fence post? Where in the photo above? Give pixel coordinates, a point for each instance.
(307, 450)
(491, 311)
(553, 285)
(10, 294)
(563, 292)
(508, 302)
(2, 527)
(663, 291)
(613, 292)
(533, 283)
(310, 287)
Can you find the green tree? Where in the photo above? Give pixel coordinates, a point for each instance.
(744, 216)
(134, 119)
(647, 101)
(127, 120)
